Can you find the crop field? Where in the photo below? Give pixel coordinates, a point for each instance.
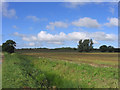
(95, 59)
(60, 70)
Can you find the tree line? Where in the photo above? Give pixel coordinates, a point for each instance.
(87, 46)
(83, 46)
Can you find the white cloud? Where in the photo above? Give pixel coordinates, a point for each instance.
(44, 36)
(101, 36)
(15, 27)
(9, 13)
(17, 34)
(77, 36)
(52, 25)
(31, 44)
(3, 0)
(33, 18)
(74, 4)
(112, 22)
(29, 38)
(33, 38)
(60, 38)
(95, 42)
(58, 43)
(25, 37)
(86, 22)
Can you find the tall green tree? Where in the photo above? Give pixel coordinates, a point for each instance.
(91, 45)
(86, 45)
(80, 46)
(9, 46)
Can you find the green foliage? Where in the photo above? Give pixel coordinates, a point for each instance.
(91, 44)
(103, 48)
(21, 71)
(86, 45)
(80, 46)
(8, 46)
(71, 75)
(110, 48)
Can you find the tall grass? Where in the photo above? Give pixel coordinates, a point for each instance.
(65, 74)
(20, 71)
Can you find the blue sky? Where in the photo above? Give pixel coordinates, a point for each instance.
(59, 24)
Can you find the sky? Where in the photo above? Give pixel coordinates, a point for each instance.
(59, 24)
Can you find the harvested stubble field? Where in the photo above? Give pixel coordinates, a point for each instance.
(60, 70)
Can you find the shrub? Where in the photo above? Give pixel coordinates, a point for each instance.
(103, 48)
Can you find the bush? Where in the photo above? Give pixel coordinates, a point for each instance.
(110, 49)
(103, 48)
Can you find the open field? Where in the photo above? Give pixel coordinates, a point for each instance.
(95, 59)
(61, 70)
(0, 70)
